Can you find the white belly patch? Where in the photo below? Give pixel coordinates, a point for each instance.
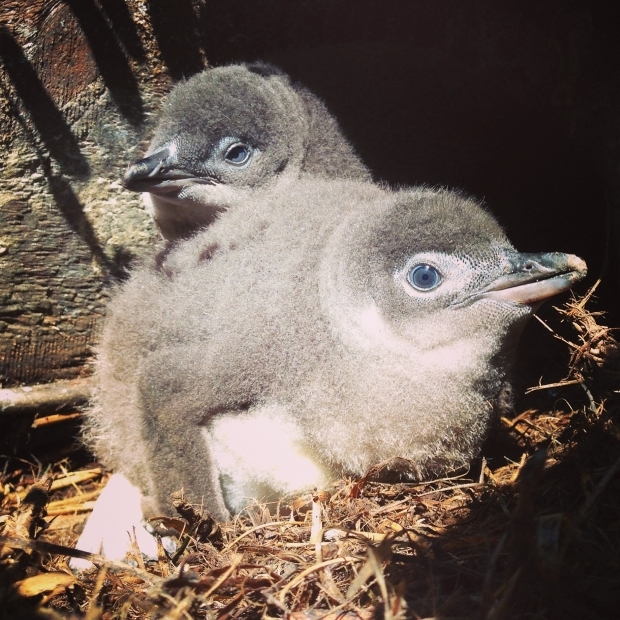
(260, 456)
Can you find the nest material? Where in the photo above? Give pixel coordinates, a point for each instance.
(536, 535)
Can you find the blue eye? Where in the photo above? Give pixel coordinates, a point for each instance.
(238, 154)
(424, 277)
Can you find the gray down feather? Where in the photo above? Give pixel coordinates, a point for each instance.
(317, 331)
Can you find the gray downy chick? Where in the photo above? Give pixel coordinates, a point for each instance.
(312, 335)
(231, 131)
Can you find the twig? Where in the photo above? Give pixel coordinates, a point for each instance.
(554, 385)
(56, 418)
(566, 342)
(71, 509)
(388, 507)
(313, 569)
(236, 560)
(470, 485)
(71, 479)
(230, 545)
(99, 560)
(592, 405)
(73, 501)
(48, 398)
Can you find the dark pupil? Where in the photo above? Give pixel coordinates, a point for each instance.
(237, 155)
(424, 277)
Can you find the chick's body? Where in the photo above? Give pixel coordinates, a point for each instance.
(289, 337)
(229, 133)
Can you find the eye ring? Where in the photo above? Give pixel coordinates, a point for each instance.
(424, 277)
(238, 154)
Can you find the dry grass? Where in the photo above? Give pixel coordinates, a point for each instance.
(534, 533)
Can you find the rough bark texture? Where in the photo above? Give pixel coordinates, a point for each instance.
(77, 87)
(518, 104)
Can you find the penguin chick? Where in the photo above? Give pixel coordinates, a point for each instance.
(231, 131)
(312, 335)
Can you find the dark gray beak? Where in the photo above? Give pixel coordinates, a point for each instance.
(159, 173)
(536, 277)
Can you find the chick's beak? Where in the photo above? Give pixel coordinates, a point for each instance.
(159, 173)
(536, 277)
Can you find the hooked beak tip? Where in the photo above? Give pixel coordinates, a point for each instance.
(537, 277)
(577, 265)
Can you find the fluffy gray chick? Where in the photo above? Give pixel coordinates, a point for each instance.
(312, 335)
(228, 132)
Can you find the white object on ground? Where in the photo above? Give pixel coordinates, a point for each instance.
(108, 529)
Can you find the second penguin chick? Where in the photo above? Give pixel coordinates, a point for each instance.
(312, 335)
(231, 131)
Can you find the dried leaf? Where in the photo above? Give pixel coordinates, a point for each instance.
(170, 523)
(45, 582)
